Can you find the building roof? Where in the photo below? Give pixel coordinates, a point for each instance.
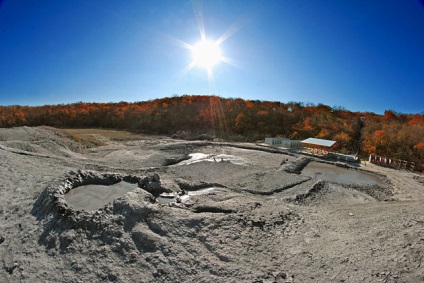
(320, 142)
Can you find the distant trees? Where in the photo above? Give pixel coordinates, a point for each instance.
(392, 134)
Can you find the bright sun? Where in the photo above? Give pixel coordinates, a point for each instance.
(206, 54)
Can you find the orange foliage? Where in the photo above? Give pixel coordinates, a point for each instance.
(417, 120)
(391, 134)
(379, 134)
(249, 104)
(389, 115)
(419, 146)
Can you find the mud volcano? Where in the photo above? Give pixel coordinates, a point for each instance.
(82, 194)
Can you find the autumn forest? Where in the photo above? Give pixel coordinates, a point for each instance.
(393, 135)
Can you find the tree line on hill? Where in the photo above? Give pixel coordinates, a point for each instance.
(394, 135)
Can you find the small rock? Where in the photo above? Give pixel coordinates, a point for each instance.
(351, 214)
(155, 178)
(112, 277)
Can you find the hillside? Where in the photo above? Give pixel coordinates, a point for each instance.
(398, 136)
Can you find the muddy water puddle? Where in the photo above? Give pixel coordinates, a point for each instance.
(199, 157)
(336, 174)
(169, 198)
(93, 197)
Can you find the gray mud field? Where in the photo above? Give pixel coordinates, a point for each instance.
(121, 207)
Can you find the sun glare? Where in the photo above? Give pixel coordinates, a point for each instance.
(206, 54)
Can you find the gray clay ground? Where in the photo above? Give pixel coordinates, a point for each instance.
(244, 221)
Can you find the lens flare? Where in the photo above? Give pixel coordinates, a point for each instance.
(206, 54)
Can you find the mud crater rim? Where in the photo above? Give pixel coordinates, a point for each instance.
(53, 198)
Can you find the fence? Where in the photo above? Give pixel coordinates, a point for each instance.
(283, 142)
(393, 163)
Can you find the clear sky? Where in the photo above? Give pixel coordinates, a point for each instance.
(364, 55)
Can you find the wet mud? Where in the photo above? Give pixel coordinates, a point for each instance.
(93, 197)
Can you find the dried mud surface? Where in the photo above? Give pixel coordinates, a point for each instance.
(244, 214)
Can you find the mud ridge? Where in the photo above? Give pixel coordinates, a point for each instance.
(276, 190)
(379, 193)
(297, 165)
(195, 186)
(212, 209)
(315, 188)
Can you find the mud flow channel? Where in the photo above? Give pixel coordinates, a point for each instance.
(336, 174)
(93, 197)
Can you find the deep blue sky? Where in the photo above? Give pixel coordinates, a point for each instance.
(364, 55)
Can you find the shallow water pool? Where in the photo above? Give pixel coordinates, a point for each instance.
(93, 197)
(336, 174)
